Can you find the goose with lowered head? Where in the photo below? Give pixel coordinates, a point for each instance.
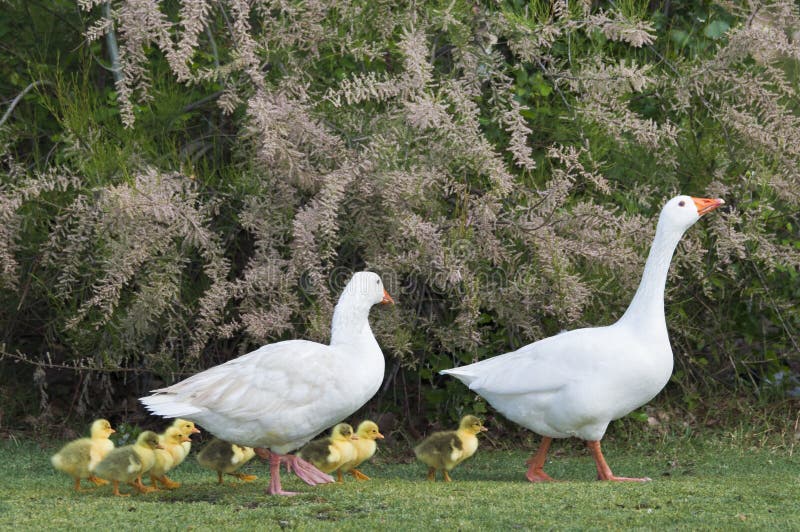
(278, 397)
(577, 382)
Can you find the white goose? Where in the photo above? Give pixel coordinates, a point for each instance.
(278, 397)
(575, 383)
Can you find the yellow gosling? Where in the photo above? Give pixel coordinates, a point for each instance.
(165, 460)
(129, 463)
(79, 457)
(187, 428)
(445, 450)
(366, 446)
(226, 459)
(331, 453)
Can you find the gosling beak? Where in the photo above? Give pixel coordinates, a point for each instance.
(705, 205)
(484, 429)
(111, 431)
(387, 299)
(159, 446)
(353, 437)
(379, 436)
(195, 431)
(186, 438)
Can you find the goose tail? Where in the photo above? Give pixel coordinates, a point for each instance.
(463, 374)
(166, 405)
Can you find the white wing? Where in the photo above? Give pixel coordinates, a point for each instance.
(276, 377)
(544, 366)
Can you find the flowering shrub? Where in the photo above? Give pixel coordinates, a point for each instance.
(501, 165)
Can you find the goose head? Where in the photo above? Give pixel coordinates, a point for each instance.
(366, 287)
(681, 212)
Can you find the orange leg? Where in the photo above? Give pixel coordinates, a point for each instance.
(116, 490)
(77, 484)
(97, 481)
(166, 482)
(536, 462)
(603, 471)
(244, 477)
(432, 474)
(359, 475)
(140, 487)
(339, 478)
(446, 476)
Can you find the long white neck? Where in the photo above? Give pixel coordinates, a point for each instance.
(350, 321)
(647, 307)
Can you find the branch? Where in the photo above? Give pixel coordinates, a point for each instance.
(19, 97)
(77, 365)
(113, 47)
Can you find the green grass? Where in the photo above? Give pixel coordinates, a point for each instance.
(695, 486)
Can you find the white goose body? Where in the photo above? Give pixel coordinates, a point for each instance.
(577, 382)
(281, 395)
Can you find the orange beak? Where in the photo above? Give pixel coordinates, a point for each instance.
(186, 438)
(387, 299)
(484, 429)
(195, 431)
(159, 446)
(705, 205)
(111, 431)
(379, 436)
(353, 437)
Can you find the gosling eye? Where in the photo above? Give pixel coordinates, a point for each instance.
(681, 203)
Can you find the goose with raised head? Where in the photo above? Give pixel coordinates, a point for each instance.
(278, 397)
(577, 382)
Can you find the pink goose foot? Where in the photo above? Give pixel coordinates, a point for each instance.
(305, 471)
(536, 463)
(603, 471)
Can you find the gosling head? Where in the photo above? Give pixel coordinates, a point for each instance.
(101, 428)
(187, 427)
(368, 430)
(343, 431)
(174, 436)
(149, 439)
(472, 425)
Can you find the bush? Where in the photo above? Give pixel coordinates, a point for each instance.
(500, 165)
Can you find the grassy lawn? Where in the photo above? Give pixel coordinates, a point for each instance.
(695, 486)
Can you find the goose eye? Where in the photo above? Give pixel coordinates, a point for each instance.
(681, 203)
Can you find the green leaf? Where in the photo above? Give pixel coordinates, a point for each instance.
(679, 37)
(716, 29)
